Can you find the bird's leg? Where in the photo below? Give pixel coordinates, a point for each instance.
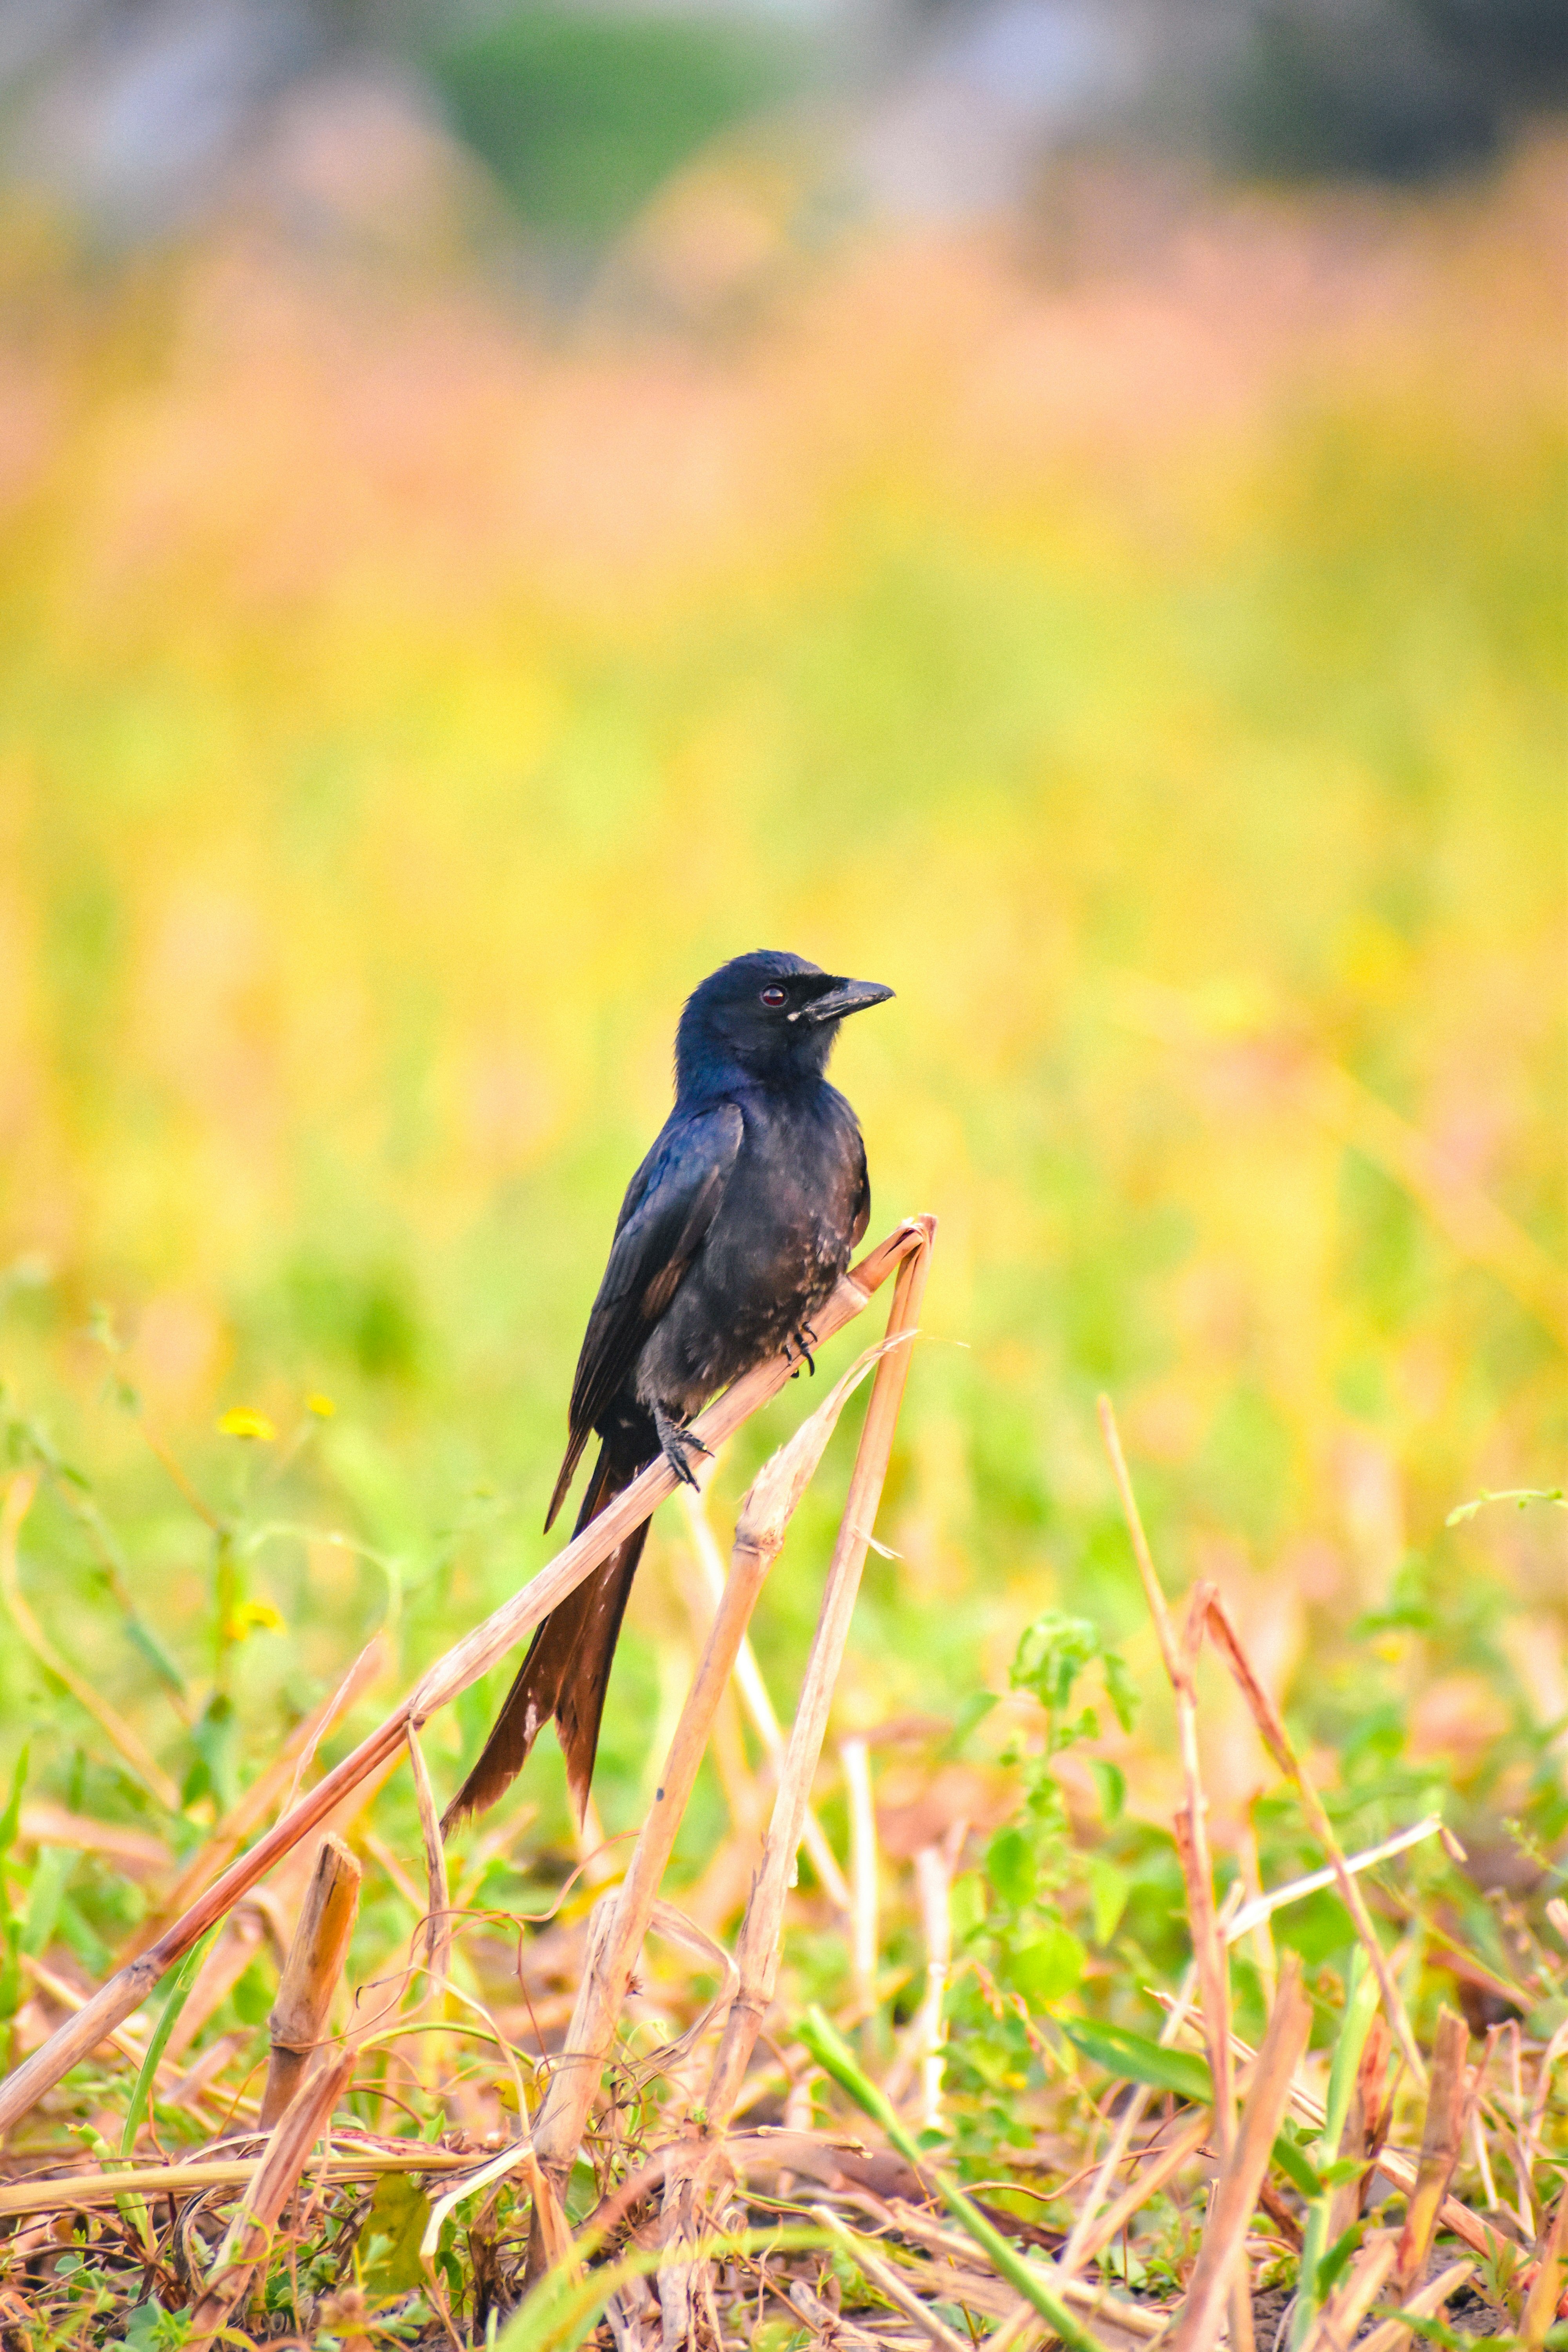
(801, 1336)
(679, 1444)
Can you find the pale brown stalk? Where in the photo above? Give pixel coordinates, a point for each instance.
(1541, 2304)
(1180, 1657)
(995, 2293)
(624, 1918)
(1424, 2304)
(272, 2183)
(1442, 2137)
(68, 2190)
(755, 1698)
(437, 1907)
(1277, 1739)
(1401, 2169)
(886, 2280)
(1073, 2255)
(1364, 2125)
(757, 1952)
(1236, 2194)
(854, 1755)
(1161, 2166)
(934, 1866)
(462, 1666)
(19, 1492)
(1336, 2326)
(1191, 1824)
(310, 1973)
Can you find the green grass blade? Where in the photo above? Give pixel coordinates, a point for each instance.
(834, 2058)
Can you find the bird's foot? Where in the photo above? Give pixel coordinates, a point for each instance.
(805, 1334)
(679, 1444)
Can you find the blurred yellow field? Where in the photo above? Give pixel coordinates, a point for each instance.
(1140, 646)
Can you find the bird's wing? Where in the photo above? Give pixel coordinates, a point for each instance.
(861, 1216)
(669, 1205)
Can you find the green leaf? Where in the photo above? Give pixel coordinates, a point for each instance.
(1297, 2166)
(1133, 2059)
(1048, 1968)
(1336, 2259)
(1108, 1888)
(1010, 1867)
(1111, 1786)
(51, 1874)
(399, 2217)
(184, 1977)
(830, 2053)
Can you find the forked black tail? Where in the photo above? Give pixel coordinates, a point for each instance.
(567, 1669)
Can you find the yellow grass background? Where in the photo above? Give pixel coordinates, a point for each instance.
(1138, 641)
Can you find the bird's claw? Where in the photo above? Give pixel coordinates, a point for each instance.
(801, 1336)
(679, 1444)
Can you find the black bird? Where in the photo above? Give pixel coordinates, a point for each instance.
(733, 1233)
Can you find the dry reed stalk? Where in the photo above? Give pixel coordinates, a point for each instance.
(74, 2190)
(1263, 1952)
(272, 2183)
(854, 1755)
(438, 1908)
(1236, 2194)
(756, 1700)
(1457, 2219)
(827, 2325)
(1191, 1825)
(1087, 2295)
(19, 1492)
(1336, 2327)
(1545, 2076)
(1424, 2304)
(1277, 1739)
(887, 2282)
(1364, 2125)
(625, 1917)
(1442, 2137)
(1136, 2195)
(1073, 2255)
(1180, 1658)
(1541, 2304)
(934, 1866)
(461, 1665)
(757, 1952)
(310, 1973)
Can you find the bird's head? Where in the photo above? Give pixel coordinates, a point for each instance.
(774, 1014)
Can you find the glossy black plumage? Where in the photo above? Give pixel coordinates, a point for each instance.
(733, 1232)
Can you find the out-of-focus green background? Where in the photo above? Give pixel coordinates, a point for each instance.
(1130, 625)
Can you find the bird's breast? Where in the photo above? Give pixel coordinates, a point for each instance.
(773, 1254)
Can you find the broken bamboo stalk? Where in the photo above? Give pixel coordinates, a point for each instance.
(272, 2183)
(1236, 2194)
(463, 1665)
(1442, 2137)
(757, 1952)
(310, 1973)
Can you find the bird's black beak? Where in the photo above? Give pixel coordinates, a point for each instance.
(841, 996)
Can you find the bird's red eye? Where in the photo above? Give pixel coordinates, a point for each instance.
(773, 997)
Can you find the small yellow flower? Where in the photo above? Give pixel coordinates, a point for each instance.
(322, 1406)
(253, 1617)
(243, 1421)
